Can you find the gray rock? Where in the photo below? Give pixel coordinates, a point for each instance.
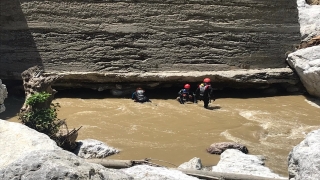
(101, 43)
(234, 161)
(251, 78)
(17, 140)
(58, 164)
(90, 148)
(218, 148)
(144, 172)
(306, 62)
(309, 16)
(194, 163)
(3, 96)
(304, 159)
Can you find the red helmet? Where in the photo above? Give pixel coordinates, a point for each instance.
(206, 80)
(187, 86)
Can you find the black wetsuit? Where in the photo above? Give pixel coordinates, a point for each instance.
(186, 93)
(139, 96)
(204, 93)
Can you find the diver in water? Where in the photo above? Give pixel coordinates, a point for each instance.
(139, 96)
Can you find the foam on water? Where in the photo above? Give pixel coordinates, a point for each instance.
(313, 102)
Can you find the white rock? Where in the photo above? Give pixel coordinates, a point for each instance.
(234, 161)
(144, 172)
(306, 62)
(304, 159)
(91, 148)
(194, 163)
(309, 16)
(17, 140)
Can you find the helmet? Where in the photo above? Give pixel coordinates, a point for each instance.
(187, 86)
(206, 80)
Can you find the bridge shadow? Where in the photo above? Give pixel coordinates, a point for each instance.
(18, 50)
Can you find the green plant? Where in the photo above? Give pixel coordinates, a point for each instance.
(37, 98)
(40, 117)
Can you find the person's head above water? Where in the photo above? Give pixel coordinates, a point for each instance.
(139, 89)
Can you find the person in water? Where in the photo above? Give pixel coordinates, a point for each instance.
(185, 94)
(204, 93)
(139, 96)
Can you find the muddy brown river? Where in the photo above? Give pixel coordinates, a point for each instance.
(174, 133)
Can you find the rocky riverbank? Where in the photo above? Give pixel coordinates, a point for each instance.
(32, 155)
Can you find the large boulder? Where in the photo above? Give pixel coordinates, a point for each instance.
(17, 140)
(3, 95)
(306, 63)
(309, 19)
(304, 159)
(58, 164)
(28, 154)
(234, 161)
(91, 148)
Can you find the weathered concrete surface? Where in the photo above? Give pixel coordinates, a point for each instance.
(122, 36)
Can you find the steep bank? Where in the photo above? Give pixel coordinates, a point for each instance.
(111, 39)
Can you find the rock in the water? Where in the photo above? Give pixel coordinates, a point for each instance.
(218, 148)
(234, 161)
(90, 148)
(194, 163)
(304, 159)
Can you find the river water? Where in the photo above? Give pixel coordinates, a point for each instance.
(173, 133)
